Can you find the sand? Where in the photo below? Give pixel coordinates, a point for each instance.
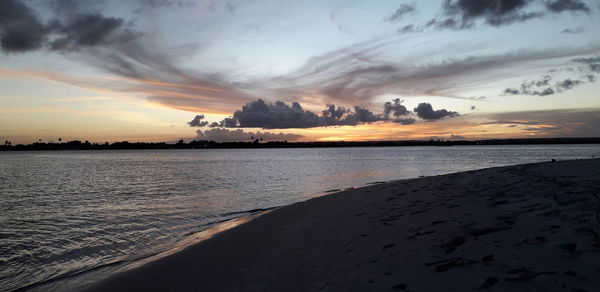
(520, 228)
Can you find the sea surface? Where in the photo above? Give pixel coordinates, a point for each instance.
(71, 217)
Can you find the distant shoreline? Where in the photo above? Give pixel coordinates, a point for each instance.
(202, 144)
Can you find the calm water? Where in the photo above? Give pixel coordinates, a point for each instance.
(69, 212)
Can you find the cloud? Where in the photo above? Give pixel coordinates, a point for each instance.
(279, 115)
(20, 28)
(426, 112)
(198, 121)
(558, 6)
(448, 23)
(509, 123)
(395, 108)
(238, 135)
(526, 89)
(404, 121)
(543, 87)
(575, 30)
(165, 3)
(403, 10)
(568, 84)
(410, 28)
(463, 13)
(592, 63)
(87, 30)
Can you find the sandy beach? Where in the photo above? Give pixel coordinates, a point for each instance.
(529, 227)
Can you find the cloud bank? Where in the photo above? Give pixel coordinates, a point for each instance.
(279, 115)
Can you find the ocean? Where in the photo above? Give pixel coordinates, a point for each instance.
(68, 218)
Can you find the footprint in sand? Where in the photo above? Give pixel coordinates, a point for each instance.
(489, 283)
(389, 245)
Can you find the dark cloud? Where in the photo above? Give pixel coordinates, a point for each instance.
(448, 23)
(198, 121)
(558, 6)
(279, 115)
(20, 28)
(395, 108)
(404, 121)
(508, 19)
(410, 28)
(462, 14)
(238, 135)
(575, 30)
(474, 8)
(258, 114)
(567, 84)
(473, 108)
(425, 111)
(87, 30)
(493, 12)
(403, 10)
(592, 64)
(528, 89)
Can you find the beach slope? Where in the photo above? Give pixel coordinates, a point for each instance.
(520, 228)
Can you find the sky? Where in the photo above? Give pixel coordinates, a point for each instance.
(163, 70)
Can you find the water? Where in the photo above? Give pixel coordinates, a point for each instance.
(64, 213)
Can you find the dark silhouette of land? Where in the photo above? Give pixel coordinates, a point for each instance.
(203, 144)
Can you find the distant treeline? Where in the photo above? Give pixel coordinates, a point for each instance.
(195, 144)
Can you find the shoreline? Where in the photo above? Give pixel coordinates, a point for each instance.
(124, 145)
(364, 238)
(80, 280)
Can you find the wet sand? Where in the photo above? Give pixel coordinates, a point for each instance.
(520, 228)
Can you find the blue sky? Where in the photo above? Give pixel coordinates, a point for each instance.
(141, 70)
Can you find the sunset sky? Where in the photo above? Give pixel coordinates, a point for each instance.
(161, 70)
